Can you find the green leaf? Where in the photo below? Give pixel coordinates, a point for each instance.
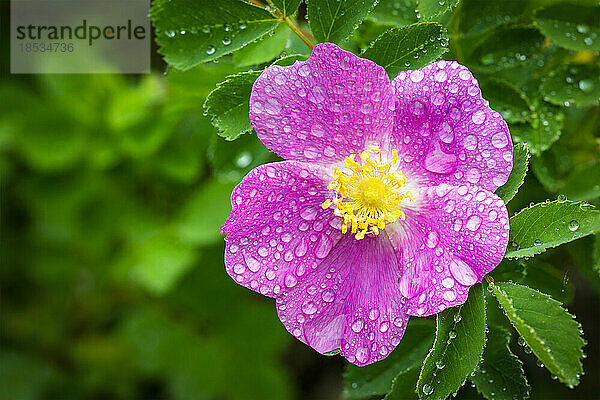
(263, 50)
(547, 279)
(200, 224)
(545, 225)
(520, 164)
(571, 26)
(500, 374)
(508, 48)
(549, 331)
(543, 130)
(433, 9)
(228, 105)
(572, 84)
(190, 32)
(459, 342)
(410, 47)
(583, 183)
(334, 20)
(506, 99)
(404, 384)
(290, 60)
(376, 379)
(397, 12)
(287, 7)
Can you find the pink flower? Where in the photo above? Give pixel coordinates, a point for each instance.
(384, 207)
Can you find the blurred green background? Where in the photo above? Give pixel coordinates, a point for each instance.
(112, 284)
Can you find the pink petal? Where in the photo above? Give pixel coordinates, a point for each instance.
(277, 231)
(446, 132)
(453, 237)
(350, 302)
(322, 109)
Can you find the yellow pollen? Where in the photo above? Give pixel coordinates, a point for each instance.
(367, 194)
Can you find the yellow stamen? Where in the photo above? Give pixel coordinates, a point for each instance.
(367, 194)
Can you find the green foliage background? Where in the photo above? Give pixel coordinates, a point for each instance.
(113, 189)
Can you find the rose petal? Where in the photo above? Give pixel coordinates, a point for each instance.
(322, 109)
(350, 302)
(446, 132)
(277, 231)
(453, 237)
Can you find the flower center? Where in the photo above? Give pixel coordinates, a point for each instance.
(367, 194)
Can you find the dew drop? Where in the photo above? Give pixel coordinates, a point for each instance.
(500, 140)
(427, 389)
(327, 296)
(309, 308)
(473, 223)
(573, 225)
(462, 272)
(432, 239)
(417, 75)
(308, 213)
(358, 325)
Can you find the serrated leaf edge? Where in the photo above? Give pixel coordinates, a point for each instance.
(542, 248)
(496, 288)
(446, 347)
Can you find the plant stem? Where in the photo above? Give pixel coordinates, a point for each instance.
(302, 34)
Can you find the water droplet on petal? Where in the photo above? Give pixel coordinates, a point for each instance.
(358, 325)
(478, 117)
(462, 272)
(500, 140)
(252, 263)
(432, 239)
(327, 296)
(417, 75)
(309, 213)
(309, 308)
(473, 223)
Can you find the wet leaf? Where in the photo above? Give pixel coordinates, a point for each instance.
(572, 84)
(287, 7)
(500, 374)
(543, 130)
(458, 346)
(410, 47)
(190, 32)
(335, 20)
(431, 10)
(228, 105)
(377, 379)
(263, 50)
(548, 329)
(520, 163)
(397, 12)
(571, 26)
(542, 226)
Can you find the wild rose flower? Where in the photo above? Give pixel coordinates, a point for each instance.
(384, 207)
